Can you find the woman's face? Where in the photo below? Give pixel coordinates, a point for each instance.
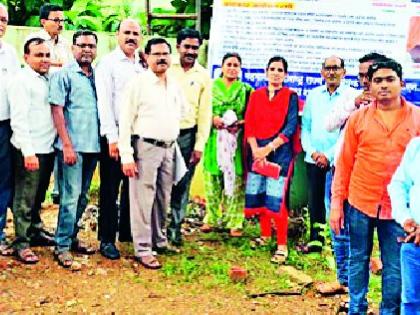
(231, 68)
(276, 73)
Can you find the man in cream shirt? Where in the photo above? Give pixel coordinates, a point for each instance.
(113, 73)
(151, 114)
(9, 64)
(33, 137)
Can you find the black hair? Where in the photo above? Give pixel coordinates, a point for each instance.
(44, 11)
(188, 33)
(29, 42)
(84, 33)
(156, 41)
(341, 61)
(387, 63)
(231, 55)
(278, 59)
(373, 56)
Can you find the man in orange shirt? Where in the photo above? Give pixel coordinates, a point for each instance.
(374, 142)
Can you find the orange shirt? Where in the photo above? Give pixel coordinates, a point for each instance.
(369, 157)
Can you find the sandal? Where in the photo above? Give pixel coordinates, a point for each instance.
(27, 256)
(205, 228)
(330, 288)
(279, 257)
(149, 262)
(259, 241)
(6, 249)
(65, 259)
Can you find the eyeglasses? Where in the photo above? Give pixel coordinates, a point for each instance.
(193, 47)
(164, 54)
(83, 46)
(58, 21)
(4, 20)
(332, 68)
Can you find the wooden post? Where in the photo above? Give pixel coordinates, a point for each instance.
(149, 19)
(198, 12)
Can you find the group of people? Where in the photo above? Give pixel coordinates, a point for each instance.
(149, 121)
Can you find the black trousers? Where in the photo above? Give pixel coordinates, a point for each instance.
(111, 217)
(316, 178)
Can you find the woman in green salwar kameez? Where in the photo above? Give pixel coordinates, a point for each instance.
(228, 93)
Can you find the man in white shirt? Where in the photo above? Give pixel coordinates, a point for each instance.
(9, 64)
(151, 114)
(113, 73)
(32, 138)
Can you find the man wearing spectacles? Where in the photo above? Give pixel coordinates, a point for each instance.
(72, 96)
(9, 64)
(195, 127)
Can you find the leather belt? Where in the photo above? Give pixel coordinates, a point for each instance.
(159, 143)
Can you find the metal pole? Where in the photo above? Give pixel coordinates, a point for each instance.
(198, 12)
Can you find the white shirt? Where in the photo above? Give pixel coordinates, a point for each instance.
(150, 110)
(9, 64)
(60, 51)
(112, 74)
(30, 113)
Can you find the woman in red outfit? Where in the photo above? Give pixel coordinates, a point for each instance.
(270, 122)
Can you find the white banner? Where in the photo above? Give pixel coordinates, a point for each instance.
(305, 32)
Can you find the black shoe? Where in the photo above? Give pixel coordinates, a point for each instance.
(82, 248)
(167, 250)
(108, 250)
(42, 238)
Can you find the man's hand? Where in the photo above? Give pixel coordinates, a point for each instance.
(130, 169)
(31, 163)
(195, 157)
(113, 151)
(337, 220)
(413, 231)
(218, 122)
(364, 99)
(314, 156)
(322, 161)
(69, 155)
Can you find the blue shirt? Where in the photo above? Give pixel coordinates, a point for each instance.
(72, 89)
(404, 189)
(315, 137)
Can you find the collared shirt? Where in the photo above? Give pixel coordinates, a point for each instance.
(72, 89)
(196, 85)
(60, 50)
(30, 113)
(369, 157)
(152, 111)
(111, 76)
(315, 136)
(9, 64)
(404, 189)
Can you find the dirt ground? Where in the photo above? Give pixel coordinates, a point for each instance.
(123, 287)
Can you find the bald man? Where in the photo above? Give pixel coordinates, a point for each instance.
(113, 72)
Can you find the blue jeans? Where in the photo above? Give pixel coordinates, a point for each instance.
(361, 228)
(410, 271)
(73, 186)
(6, 183)
(341, 242)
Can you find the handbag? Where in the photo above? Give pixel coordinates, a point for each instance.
(266, 168)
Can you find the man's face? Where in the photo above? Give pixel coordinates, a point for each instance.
(188, 51)
(363, 78)
(129, 37)
(38, 58)
(159, 58)
(385, 85)
(54, 24)
(4, 19)
(84, 51)
(332, 72)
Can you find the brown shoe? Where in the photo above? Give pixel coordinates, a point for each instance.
(330, 288)
(205, 228)
(235, 233)
(81, 248)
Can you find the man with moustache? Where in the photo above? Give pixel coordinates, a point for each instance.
(195, 126)
(72, 96)
(375, 138)
(33, 138)
(111, 76)
(318, 143)
(151, 112)
(9, 64)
